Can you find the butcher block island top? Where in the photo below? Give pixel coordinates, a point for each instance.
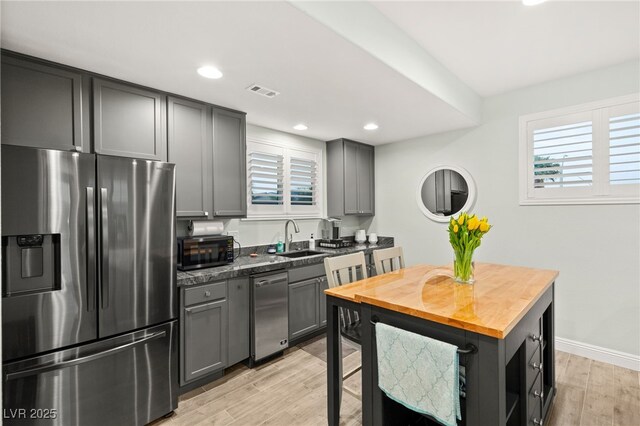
(493, 305)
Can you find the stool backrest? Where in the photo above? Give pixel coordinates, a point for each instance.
(345, 269)
(387, 260)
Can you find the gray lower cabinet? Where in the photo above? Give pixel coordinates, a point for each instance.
(350, 178)
(229, 163)
(204, 330)
(128, 121)
(189, 139)
(307, 301)
(239, 298)
(44, 106)
(304, 315)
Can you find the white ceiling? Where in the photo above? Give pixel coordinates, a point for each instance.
(330, 83)
(499, 46)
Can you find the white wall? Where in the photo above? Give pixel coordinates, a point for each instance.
(596, 248)
(258, 232)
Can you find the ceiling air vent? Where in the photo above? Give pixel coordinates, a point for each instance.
(264, 91)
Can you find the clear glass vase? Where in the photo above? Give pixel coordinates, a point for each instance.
(463, 268)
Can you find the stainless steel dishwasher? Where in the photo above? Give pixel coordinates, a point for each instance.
(270, 325)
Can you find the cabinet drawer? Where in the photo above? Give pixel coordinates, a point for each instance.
(205, 293)
(306, 272)
(534, 366)
(534, 338)
(535, 398)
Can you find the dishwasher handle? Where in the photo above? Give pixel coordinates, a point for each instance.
(263, 283)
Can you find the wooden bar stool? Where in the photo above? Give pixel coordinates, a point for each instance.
(344, 270)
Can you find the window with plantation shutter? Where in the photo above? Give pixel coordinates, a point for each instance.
(624, 146)
(266, 178)
(283, 181)
(563, 156)
(302, 177)
(585, 154)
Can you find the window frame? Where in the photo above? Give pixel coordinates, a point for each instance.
(287, 210)
(601, 191)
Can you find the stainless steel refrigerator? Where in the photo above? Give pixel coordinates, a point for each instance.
(88, 292)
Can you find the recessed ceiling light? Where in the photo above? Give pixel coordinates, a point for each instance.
(532, 2)
(300, 126)
(209, 72)
(370, 126)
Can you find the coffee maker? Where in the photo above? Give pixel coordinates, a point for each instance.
(331, 237)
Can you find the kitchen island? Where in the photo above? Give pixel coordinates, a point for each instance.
(505, 321)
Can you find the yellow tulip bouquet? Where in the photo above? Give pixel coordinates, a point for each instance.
(465, 233)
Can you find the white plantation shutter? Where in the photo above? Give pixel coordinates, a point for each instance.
(266, 178)
(302, 182)
(563, 155)
(580, 155)
(283, 181)
(624, 145)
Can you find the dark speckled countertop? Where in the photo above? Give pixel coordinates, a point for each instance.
(246, 265)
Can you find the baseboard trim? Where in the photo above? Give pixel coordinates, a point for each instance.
(597, 353)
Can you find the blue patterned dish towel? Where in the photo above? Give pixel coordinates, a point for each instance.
(419, 372)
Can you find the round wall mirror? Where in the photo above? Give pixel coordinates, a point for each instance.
(445, 191)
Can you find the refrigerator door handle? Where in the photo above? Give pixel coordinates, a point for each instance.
(104, 250)
(70, 363)
(91, 250)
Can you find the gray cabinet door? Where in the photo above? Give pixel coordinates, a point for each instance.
(189, 139)
(322, 300)
(128, 121)
(204, 339)
(303, 308)
(365, 167)
(229, 164)
(239, 297)
(351, 163)
(42, 106)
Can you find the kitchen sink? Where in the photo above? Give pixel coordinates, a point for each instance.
(300, 253)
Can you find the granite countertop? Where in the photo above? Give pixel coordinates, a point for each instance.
(263, 262)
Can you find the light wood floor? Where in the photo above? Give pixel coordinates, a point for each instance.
(291, 390)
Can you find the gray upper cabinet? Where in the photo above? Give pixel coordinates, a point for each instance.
(239, 299)
(229, 163)
(189, 139)
(128, 121)
(350, 178)
(44, 106)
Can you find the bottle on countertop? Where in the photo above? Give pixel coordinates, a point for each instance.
(280, 247)
(312, 243)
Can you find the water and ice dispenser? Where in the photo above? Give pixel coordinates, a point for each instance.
(31, 263)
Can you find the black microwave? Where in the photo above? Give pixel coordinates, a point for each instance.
(204, 252)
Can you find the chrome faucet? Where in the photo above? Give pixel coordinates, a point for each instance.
(288, 238)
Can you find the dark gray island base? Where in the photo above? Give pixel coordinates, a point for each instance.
(510, 379)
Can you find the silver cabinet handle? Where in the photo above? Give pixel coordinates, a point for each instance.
(269, 282)
(538, 394)
(536, 366)
(535, 338)
(104, 267)
(91, 250)
(537, 422)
